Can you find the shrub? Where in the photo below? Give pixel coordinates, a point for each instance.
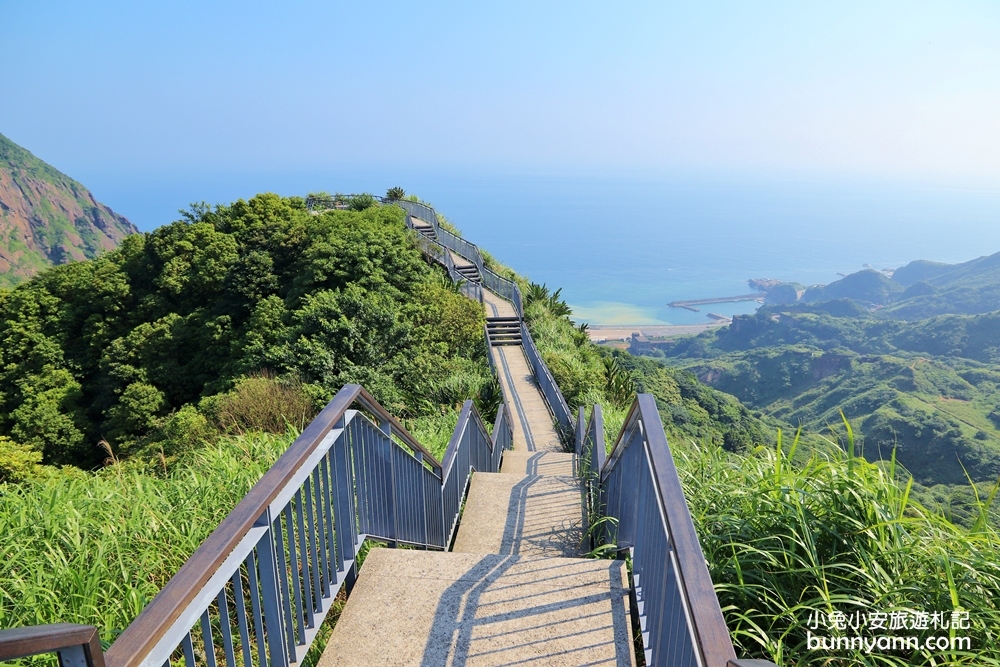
(362, 202)
(17, 462)
(262, 402)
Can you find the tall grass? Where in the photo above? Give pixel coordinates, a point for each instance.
(94, 548)
(785, 541)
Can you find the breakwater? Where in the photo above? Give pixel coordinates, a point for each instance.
(691, 303)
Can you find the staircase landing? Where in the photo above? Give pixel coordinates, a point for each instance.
(483, 610)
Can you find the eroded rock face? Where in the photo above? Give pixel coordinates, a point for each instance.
(47, 218)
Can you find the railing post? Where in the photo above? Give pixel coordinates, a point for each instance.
(386, 427)
(423, 497)
(274, 623)
(343, 501)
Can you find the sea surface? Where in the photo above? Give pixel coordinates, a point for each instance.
(621, 248)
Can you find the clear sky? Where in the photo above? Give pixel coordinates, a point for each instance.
(894, 89)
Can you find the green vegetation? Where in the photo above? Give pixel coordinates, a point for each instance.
(925, 390)
(96, 547)
(785, 541)
(150, 348)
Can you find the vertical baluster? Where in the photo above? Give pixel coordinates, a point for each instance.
(304, 561)
(226, 624)
(239, 602)
(343, 500)
(363, 472)
(331, 536)
(293, 559)
(322, 569)
(206, 637)
(188, 649)
(277, 650)
(307, 495)
(258, 616)
(390, 479)
(422, 486)
(284, 586)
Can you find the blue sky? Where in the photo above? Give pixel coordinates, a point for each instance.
(898, 90)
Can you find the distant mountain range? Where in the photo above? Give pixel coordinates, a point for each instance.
(47, 218)
(916, 291)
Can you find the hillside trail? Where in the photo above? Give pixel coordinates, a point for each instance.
(514, 589)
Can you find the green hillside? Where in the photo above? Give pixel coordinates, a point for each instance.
(191, 354)
(929, 389)
(919, 290)
(47, 218)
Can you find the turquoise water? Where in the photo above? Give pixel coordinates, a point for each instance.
(622, 248)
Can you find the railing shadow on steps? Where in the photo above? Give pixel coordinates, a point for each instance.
(496, 283)
(258, 588)
(637, 484)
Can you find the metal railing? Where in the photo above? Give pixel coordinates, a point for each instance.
(545, 381)
(505, 288)
(258, 588)
(679, 613)
(75, 645)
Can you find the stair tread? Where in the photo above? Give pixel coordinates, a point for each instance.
(482, 610)
(538, 515)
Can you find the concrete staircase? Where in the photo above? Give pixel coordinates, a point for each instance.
(424, 228)
(503, 330)
(514, 589)
(470, 272)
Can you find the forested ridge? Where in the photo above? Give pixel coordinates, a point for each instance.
(142, 348)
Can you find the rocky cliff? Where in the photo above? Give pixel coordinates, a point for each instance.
(48, 218)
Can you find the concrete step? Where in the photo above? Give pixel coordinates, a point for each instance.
(538, 463)
(527, 515)
(474, 610)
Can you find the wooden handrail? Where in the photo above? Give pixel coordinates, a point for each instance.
(58, 637)
(139, 638)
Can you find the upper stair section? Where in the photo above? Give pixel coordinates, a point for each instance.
(503, 331)
(424, 228)
(469, 272)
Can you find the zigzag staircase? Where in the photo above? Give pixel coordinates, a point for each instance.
(502, 581)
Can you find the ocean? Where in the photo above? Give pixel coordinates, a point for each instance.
(621, 248)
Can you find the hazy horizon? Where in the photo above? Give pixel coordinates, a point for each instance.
(894, 90)
(727, 141)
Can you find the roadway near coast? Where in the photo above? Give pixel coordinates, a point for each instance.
(599, 332)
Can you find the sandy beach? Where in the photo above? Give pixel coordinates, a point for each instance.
(599, 332)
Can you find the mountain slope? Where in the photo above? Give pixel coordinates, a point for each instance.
(48, 218)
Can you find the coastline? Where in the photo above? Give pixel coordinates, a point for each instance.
(612, 332)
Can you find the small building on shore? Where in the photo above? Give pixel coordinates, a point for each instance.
(640, 344)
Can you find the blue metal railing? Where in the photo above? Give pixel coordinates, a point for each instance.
(680, 618)
(545, 380)
(257, 590)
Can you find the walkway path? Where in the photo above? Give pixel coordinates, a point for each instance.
(514, 589)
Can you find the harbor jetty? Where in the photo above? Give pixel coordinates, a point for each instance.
(690, 304)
